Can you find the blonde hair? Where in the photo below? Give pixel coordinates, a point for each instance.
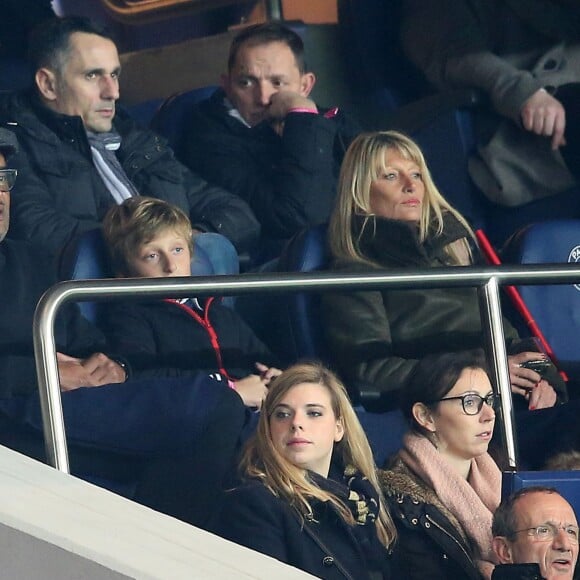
(363, 163)
(135, 222)
(263, 461)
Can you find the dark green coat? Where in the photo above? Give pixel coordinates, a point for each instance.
(376, 338)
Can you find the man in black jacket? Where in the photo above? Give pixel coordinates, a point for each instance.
(535, 526)
(263, 138)
(165, 443)
(81, 155)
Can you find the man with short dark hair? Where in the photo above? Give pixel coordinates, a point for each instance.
(82, 155)
(535, 525)
(263, 138)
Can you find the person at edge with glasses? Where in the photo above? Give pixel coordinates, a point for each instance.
(535, 535)
(8, 145)
(443, 486)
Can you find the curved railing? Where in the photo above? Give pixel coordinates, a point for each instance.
(487, 281)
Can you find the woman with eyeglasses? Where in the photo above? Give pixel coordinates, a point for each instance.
(443, 487)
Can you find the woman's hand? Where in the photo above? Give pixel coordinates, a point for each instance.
(542, 396)
(521, 378)
(528, 383)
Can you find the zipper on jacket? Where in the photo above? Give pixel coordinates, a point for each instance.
(206, 324)
(440, 528)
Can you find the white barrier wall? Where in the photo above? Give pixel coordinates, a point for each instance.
(54, 526)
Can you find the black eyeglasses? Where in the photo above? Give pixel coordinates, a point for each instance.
(548, 531)
(472, 403)
(7, 179)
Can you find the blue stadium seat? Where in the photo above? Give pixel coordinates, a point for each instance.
(87, 258)
(145, 111)
(566, 482)
(301, 334)
(16, 74)
(170, 120)
(556, 308)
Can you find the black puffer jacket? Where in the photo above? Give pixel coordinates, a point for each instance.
(431, 543)
(59, 193)
(289, 181)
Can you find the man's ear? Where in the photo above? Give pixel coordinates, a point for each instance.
(307, 83)
(46, 83)
(422, 415)
(502, 549)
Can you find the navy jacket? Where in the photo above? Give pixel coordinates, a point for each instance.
(289, 181)
(163, 339)
(253, 517)
(431, 546)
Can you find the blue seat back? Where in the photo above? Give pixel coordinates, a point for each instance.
(302, 334)
(449, 164)
(171, 119)
(16, 74)
(555, 308)
(87, 258)
(145, 111)
(566, 482)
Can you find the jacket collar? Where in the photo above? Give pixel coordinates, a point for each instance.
(260, 131)
(393, 242)
(56, 127)
(65, 127)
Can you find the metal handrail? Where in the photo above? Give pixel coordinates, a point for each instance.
(487, 280)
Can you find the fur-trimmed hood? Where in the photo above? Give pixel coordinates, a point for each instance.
(399, 483)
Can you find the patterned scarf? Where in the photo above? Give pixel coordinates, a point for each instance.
(472, 501)
(355, 491)
(103, 147)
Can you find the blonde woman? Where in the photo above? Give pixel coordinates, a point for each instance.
(390, 215)
(311, 496)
